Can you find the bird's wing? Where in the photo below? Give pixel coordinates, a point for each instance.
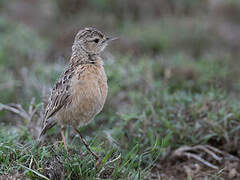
(60, 97)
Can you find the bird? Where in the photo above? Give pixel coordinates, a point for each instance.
(80, 92)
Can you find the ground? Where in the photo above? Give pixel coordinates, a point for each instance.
(172, 110)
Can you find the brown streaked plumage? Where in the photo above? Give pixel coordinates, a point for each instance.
(81, 90)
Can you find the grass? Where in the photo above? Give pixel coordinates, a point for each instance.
(140, 126)
(174, 83)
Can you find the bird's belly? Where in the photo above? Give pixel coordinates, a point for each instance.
(87, 102)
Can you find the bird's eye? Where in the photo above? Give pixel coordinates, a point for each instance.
(96, 40)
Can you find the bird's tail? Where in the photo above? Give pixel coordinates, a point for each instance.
(47, 127)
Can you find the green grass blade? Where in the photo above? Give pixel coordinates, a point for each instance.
(35, 172)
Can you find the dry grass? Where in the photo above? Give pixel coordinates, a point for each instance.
(172, 110)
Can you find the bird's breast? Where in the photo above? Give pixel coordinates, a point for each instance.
(89, 92)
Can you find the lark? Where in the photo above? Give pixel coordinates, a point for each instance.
(81, 90)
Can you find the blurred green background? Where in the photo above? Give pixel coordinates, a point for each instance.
(174, 73)
(187, 42)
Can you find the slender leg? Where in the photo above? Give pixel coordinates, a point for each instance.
(85, 143)
(63, 137)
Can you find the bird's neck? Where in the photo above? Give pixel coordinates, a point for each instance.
(82, 57)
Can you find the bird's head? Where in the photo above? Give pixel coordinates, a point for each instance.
(91, 41)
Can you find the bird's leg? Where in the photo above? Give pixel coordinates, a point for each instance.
(63, 137)
(86, 144)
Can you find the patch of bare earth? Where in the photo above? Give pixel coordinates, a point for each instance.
(13, 177)
(198, 163)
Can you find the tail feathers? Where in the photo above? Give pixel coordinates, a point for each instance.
(47, 127)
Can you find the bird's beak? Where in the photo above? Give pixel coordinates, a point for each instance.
(108, 39)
